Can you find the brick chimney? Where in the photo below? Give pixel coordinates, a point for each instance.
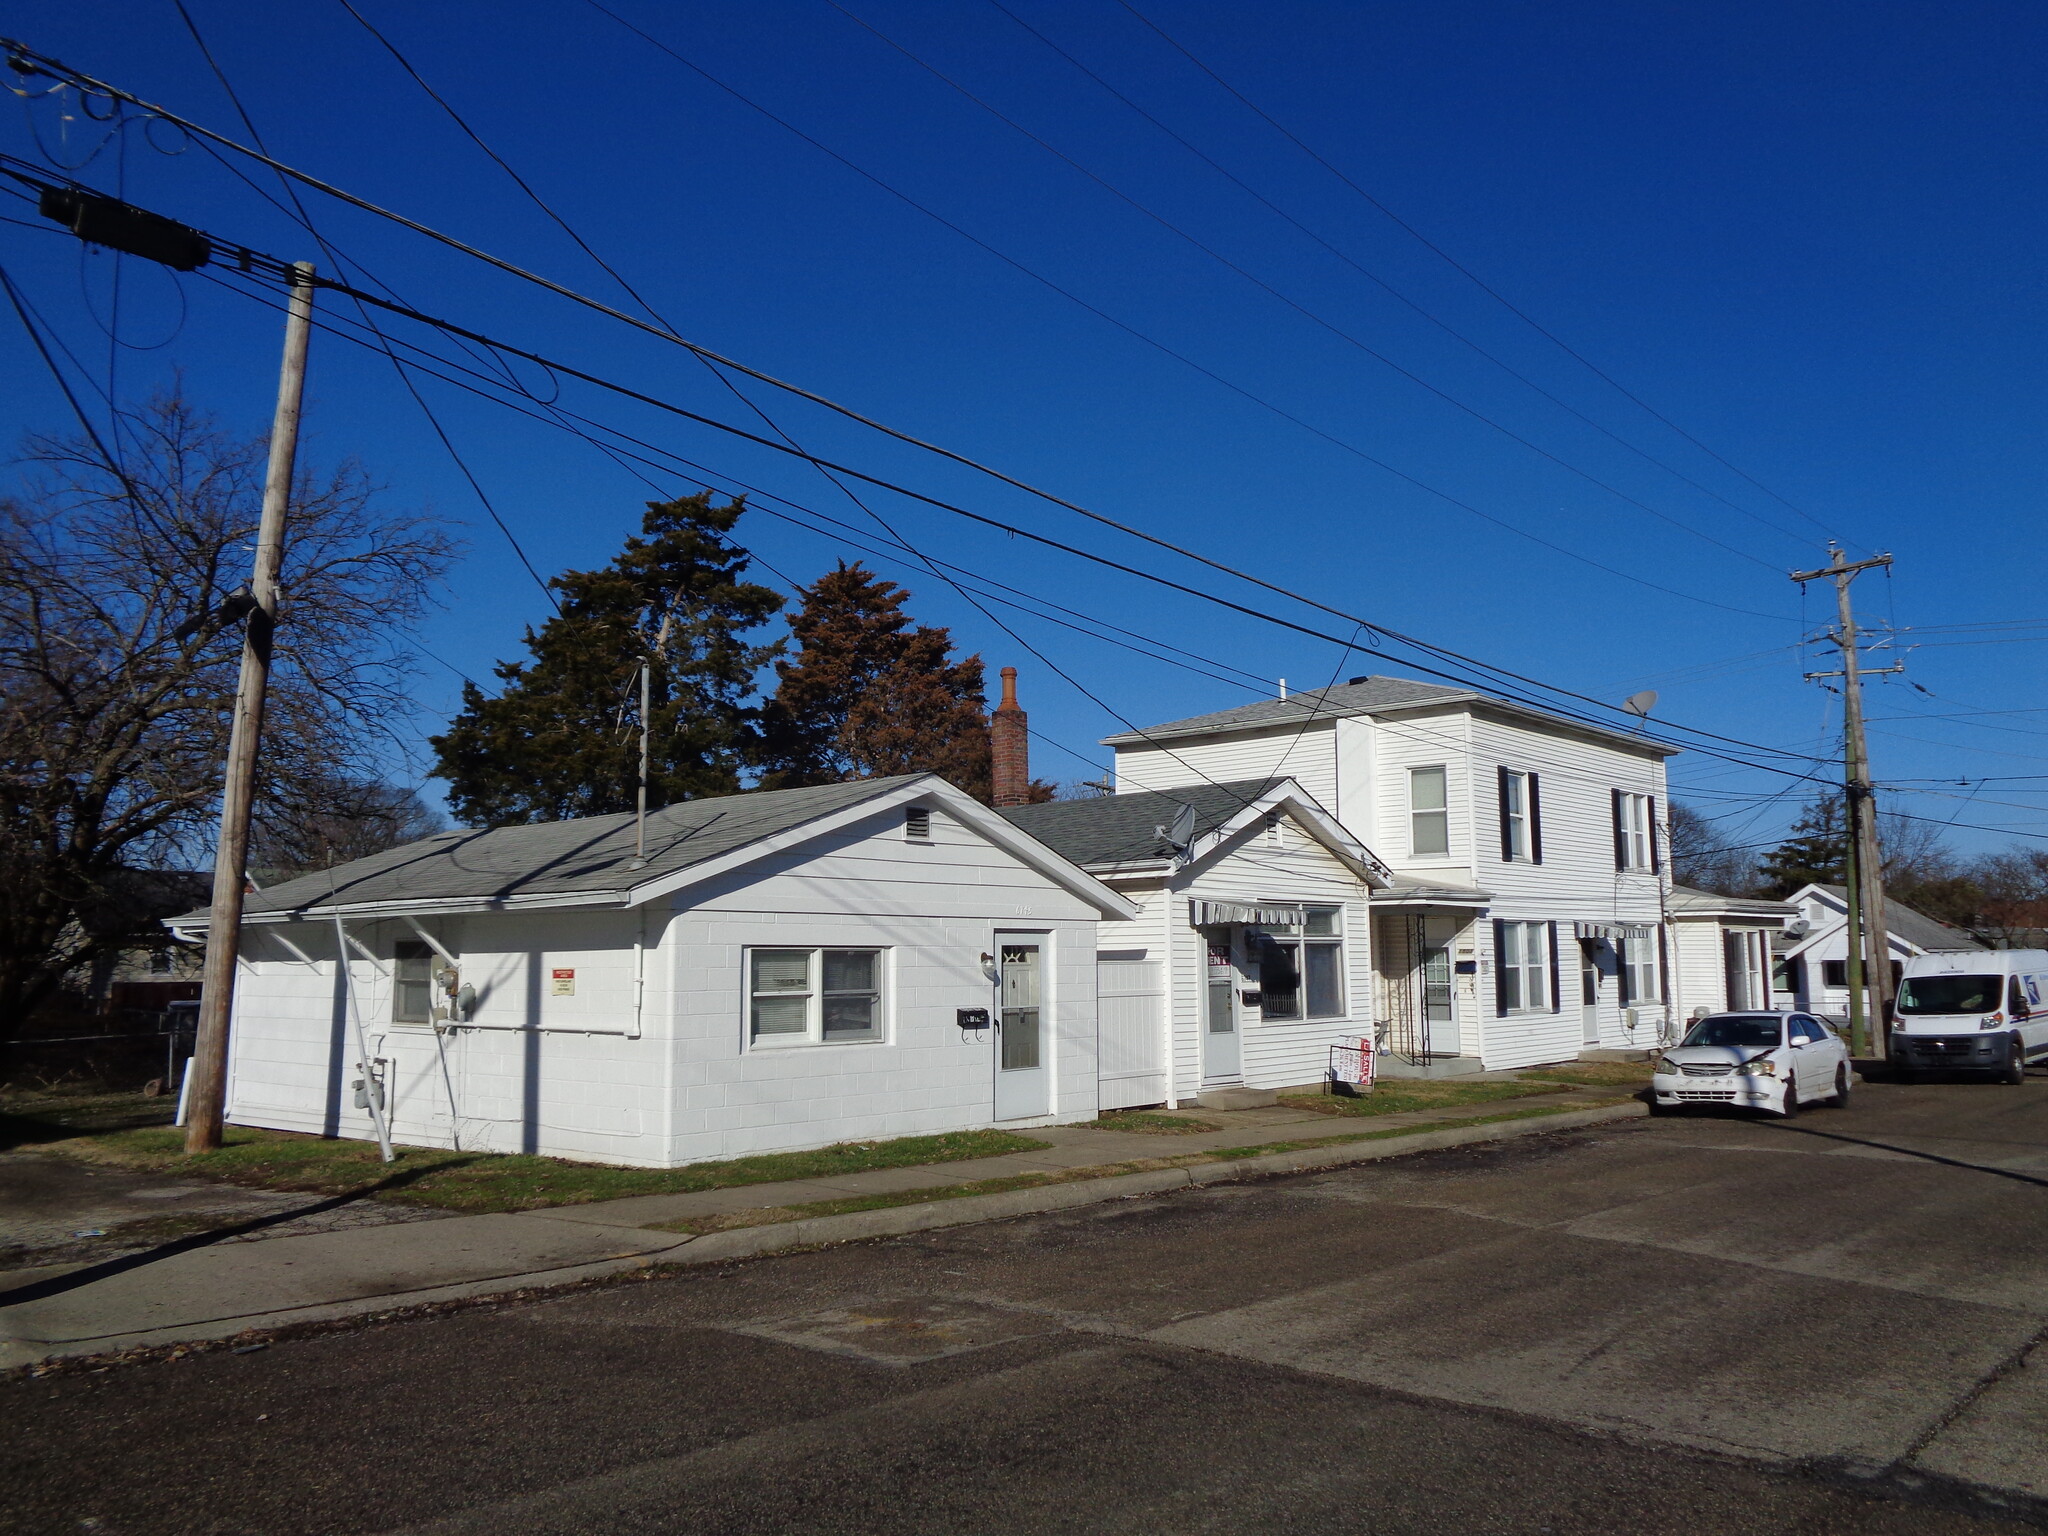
(1010, 747)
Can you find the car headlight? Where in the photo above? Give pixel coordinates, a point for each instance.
(1659, 1067)
(1993, 1022)
(1759, 1068)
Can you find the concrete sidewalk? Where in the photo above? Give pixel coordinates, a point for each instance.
(219, 1284)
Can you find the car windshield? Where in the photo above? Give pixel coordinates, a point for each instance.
(1743, 1031)
(1949, 994)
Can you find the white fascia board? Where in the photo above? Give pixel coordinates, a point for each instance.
(426, 906)
(926, 788)
(1289, 797)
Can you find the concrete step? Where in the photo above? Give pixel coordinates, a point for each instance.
(1236, 1098)
(1435, 1066)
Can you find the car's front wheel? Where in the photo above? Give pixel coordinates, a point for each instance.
(1839, 1099)
(2016, 1062)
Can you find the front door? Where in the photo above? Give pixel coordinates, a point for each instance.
(1222, 1061)
(1589, 990)
(1023, 1049)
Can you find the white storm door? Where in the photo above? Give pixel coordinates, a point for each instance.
(1589, 992)
(1222, 1058)
(1023, 1035)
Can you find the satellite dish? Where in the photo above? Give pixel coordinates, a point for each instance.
(1181, 833)
(1641, 703)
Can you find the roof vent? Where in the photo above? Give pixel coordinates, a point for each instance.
(917, 823)
(1353, 682)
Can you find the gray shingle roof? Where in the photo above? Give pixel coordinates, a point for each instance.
(1916, 928)
(1686, 899)
(584, 857)
(1345, 699)
(1123, 829)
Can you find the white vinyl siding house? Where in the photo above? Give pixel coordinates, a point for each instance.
(1184, 989)
(796, 982)
(1486, 813)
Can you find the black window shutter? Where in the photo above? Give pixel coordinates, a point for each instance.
(1620, 833)
(1500, 971)
(1507, 841)
(1663, 969)
(1621, 971)
(1656, 858)
(1535, 805)
(1556, 1002)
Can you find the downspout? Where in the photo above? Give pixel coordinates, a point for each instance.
(1169, 899)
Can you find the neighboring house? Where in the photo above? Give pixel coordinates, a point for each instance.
(1721, 951)
(1525, 920)
(1812, 969)
(1251, 953)
(785, 970)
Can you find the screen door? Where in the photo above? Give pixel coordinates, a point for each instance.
(1023, 1051)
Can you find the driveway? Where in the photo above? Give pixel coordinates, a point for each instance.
(1695, 1325)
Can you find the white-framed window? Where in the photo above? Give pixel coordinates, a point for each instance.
(1522, 967)
(814, 996)
(1521, 826)
(1429, 813)
(1635, 836)
(412, 985)
(1639, 978)
(1301, 966)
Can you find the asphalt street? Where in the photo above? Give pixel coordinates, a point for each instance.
(1703, 1324)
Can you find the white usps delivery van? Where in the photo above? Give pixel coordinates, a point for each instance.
(1972, 1011)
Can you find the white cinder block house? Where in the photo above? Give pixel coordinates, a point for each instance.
(787, 970)
(1812, 969)
(1525, 918)
(1251, 954)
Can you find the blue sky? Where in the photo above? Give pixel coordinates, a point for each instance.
(1806, 234)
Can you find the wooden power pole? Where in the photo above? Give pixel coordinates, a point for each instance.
(1869, 951)
(207, 1101)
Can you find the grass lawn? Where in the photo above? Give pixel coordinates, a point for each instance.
(1595, 1074)
(1397, 1095)
(1150, 1124)
(105, 1129)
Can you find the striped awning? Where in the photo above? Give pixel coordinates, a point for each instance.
(1262, 914)
(1613, 931)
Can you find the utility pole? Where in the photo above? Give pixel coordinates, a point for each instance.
(1869, 951)
(659, 647)
(208, 1100)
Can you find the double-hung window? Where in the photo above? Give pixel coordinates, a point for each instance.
(412, 988)
(1522, 966)
(1639, 982)
(814, 996)
(1635, 832)
(1301, 966)
(1521, 818)
(1429, 815)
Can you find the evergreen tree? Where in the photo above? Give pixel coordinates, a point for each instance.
(1818, 850)
(560, 739)
(871, 694)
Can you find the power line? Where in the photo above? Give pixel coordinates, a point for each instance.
(305, 219)
(1387, 287)
(1294, 304)
(1463, 270)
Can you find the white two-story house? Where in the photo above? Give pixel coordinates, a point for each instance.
(1525, 919)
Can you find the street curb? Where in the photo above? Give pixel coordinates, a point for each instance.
(820, 1231)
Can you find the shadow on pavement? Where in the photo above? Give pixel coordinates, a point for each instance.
(1796, 1129)
(57, 1285)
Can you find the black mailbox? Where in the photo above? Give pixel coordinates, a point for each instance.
(971, 1018)
(1253, 997)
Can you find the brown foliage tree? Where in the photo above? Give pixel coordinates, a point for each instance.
(870, 694)
(114, 724)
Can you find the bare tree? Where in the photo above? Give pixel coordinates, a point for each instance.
(345, 819)
(1703, 858)
(114, 709)
(2014, 904)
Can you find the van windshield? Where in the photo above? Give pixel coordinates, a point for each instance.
(1744, 1031)
(1949, 994)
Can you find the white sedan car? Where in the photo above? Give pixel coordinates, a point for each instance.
(1769, 1061)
